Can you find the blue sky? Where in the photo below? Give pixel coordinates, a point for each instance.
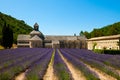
(63, 17)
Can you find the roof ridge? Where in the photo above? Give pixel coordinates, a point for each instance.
(35, 37)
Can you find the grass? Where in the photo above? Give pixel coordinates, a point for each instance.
(32, 76)
(4, 76)
(13, 46)
(17, 69)
(60, 68)
(1, 47)
(61, 72)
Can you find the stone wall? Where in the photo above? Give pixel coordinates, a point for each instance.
(109, 42)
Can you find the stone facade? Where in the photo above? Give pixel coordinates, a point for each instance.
(105, 42)
(37, 39)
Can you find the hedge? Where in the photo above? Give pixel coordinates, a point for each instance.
(112, 52)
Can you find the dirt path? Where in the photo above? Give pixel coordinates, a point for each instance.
(116, 70)
(102, 75)
(76, 74)
(50, 74)
(21, 76)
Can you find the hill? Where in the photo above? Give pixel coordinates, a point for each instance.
(108, 30)
(18, 26)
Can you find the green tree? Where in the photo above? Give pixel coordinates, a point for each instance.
(81, 33)
(94, 45)
(112, 29)
(74, 34)
(7, 36)
(87, 34)
(96, 33)
(18, 26)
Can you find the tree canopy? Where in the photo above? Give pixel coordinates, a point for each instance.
(108, 30)
(18, 26)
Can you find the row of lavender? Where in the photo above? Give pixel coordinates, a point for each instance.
(15, 61)
(60, 68)
(34, 62)
(105, 63)
(38, 69)
(90, 75)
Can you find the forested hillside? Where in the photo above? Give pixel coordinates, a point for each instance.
(18, 26)
(112, 29)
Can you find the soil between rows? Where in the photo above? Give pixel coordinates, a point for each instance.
(76, 74)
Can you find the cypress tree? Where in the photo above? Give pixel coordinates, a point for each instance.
(7, 36)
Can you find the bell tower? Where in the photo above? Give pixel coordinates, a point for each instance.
(36, 27)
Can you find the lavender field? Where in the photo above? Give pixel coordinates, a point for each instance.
(57, 64)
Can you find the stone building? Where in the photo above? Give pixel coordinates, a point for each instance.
(105, 42)
(37, 39)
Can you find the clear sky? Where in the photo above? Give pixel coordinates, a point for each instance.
(64, 17)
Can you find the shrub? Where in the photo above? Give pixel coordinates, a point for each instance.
(112, 52)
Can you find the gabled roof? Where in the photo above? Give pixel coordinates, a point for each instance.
(36, 38)
(35, 32)
(23, 37)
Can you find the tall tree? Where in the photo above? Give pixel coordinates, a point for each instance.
(7, 36)
(87, 34)
(81, 33)
(74, 34)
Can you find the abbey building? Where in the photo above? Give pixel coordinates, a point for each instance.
(104, 42)
(37, 39)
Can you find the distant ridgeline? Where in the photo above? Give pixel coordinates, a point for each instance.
(18, 26)
(112, 29)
